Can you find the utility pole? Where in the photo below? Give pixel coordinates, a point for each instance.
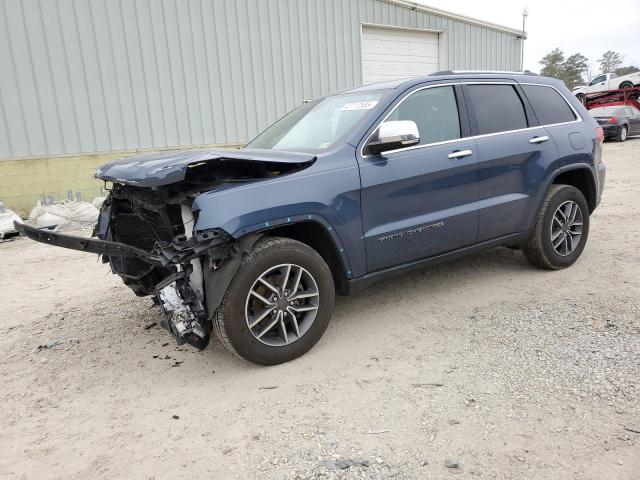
(525, 14)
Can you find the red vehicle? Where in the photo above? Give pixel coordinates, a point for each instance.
(628, 96)
(616, 111)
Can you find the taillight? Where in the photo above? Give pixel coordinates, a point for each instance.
(600, 134)
(612, 120)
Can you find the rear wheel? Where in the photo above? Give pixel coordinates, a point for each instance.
(561, 232)
(625, 85)
(623, 133)
(279, 303)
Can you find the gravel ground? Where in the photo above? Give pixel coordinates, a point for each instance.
(480, 368)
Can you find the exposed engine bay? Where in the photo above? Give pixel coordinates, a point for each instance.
(146, 230)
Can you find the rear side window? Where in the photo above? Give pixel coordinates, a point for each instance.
(550, 107)
(435, 112)
(498, 108)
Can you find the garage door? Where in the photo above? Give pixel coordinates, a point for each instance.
(390, 54)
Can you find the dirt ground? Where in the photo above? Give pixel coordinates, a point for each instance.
(480, 368)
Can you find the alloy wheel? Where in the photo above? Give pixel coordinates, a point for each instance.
(566, 228)
(282, 304)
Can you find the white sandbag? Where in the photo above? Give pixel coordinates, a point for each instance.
(64, 216)
(6, 222)
(98, 201)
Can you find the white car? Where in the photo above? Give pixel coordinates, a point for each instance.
(608, 81)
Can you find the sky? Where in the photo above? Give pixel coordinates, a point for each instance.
(587, 27)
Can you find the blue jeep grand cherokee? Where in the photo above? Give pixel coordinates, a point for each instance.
(342, 192)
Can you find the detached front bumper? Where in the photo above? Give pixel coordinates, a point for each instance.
(84, 244)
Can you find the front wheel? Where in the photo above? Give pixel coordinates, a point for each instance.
(561, 231)
(278, 304)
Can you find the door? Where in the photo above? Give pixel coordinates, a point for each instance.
(513, 154)
(421, 201)
(391, 53)
(598, 84)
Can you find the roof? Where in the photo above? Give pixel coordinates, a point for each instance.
(453, 76)
(457, 16)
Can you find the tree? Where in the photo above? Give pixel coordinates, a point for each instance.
(610, 61)
(552, 64)
(573, 69)
(626, 70)
(568, 70)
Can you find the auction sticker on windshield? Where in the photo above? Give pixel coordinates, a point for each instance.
(359, 105)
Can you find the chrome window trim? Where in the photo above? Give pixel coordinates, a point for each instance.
(578, 119)
(416, 147)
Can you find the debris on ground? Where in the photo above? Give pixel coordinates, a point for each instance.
(454, 464)
(50, 345)
(150, 325)
(428, 384)
(345, 463)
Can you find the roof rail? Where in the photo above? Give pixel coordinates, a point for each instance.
(474, 72)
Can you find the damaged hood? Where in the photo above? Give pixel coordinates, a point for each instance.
(164, 168)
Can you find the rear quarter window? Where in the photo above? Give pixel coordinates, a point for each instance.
(549, 106)
(498, 108)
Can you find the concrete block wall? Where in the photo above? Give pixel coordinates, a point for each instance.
(24, 180)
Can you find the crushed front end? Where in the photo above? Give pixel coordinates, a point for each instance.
(146, 229)
(160, 221)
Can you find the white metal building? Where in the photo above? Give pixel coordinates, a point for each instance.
(86, 76)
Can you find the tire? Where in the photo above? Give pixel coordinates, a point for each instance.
(581, 98)
(538, 248)
(239, 308)
(622, 135)
(625, 85)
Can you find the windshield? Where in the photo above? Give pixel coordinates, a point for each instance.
(318, 125)
(606, 111)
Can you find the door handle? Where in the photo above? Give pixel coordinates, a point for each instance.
(539, 139)
(460, 154)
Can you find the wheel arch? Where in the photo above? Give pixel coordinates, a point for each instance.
(321, 237)
(580, 177)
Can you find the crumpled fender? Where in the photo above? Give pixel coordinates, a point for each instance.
(217, 280)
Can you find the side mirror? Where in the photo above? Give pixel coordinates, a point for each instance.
(393, 135)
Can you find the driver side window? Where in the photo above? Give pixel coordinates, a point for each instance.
(599, 79)
(435, 112)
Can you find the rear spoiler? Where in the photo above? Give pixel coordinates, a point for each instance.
(83, 244)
